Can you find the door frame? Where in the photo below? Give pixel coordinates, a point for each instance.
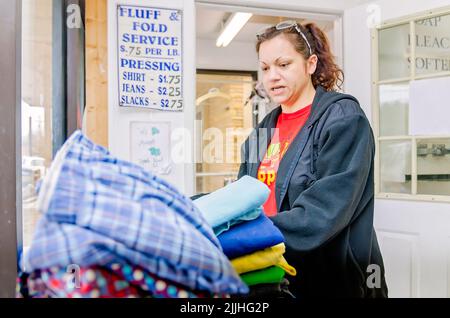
(68, 101)
(10, 144)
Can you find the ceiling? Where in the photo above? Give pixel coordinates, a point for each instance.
(209, 22)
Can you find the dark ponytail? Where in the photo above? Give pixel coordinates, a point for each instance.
(327, 74)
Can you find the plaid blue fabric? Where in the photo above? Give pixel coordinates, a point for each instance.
(98, 209)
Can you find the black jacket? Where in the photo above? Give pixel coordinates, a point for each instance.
(325, 199)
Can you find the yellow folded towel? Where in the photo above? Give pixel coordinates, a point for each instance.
(287, 268)
(262, 259)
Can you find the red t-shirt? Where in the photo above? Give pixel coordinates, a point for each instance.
(288, 126)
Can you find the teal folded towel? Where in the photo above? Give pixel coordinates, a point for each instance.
(232, 202)
(249, 216)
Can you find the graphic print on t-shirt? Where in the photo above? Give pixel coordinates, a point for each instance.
(288, 126)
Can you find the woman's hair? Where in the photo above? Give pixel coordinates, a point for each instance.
(328, 74)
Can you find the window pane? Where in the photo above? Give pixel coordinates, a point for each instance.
(395, 158)
(394, 109)
(433, 45)
(433, 166)
(393, 51)
(36, 105)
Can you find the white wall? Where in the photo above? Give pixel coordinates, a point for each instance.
(398, 8)
(182, 174)
(357, 57)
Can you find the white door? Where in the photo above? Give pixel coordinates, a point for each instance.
(415, 241)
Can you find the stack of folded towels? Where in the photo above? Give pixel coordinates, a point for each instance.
(248, 238)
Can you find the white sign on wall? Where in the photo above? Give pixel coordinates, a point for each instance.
(150, 146)
(150, 57)
(429, 106)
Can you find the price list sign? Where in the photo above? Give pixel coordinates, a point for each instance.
(150, 58)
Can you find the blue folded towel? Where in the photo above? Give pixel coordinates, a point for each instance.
(233, 201)
(249, 237)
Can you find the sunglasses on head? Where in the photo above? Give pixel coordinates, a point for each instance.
(287, 25)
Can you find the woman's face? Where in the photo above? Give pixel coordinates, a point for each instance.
(285, 72)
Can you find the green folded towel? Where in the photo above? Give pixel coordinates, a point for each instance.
(269, 275)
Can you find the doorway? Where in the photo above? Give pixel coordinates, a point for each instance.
(233, 70)
(224, 117)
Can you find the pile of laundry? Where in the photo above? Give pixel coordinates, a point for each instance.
(111, 229)
(249, 239)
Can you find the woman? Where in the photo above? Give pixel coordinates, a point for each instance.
(315, 153)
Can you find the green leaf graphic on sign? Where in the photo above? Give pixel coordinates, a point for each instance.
(155, 151)
(155, 131)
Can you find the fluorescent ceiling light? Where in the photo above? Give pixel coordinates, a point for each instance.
(232, 27)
